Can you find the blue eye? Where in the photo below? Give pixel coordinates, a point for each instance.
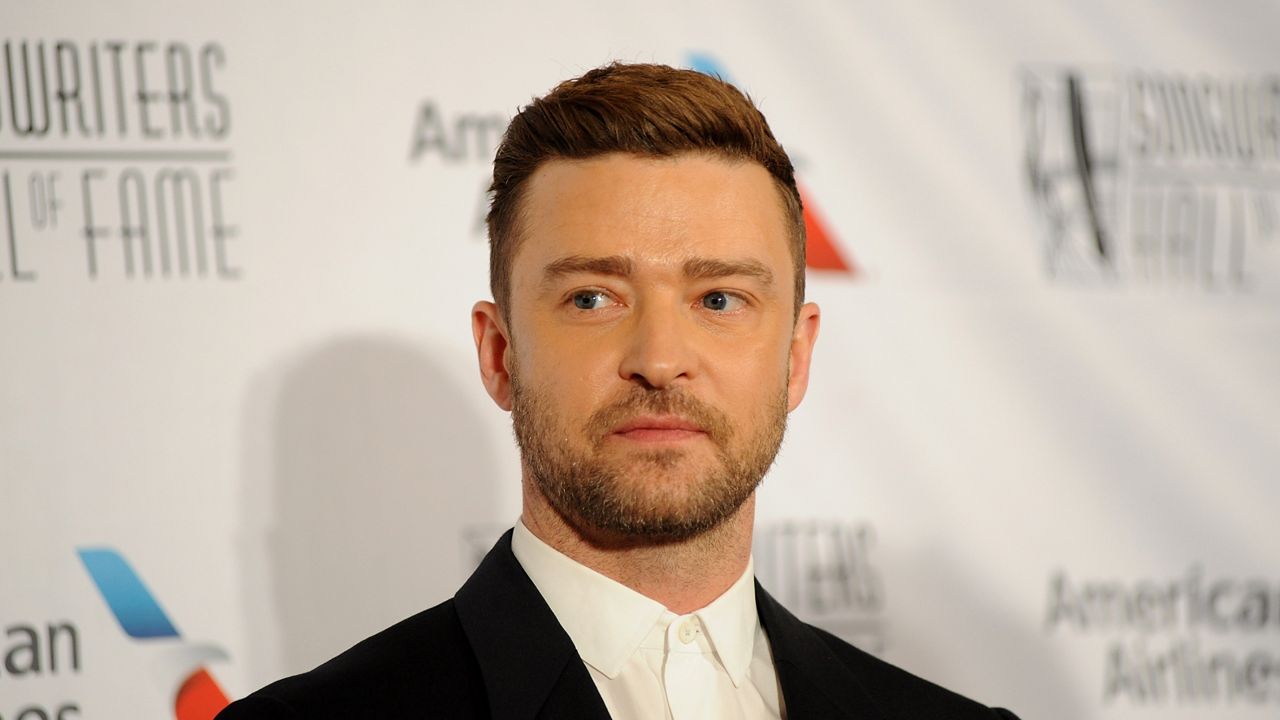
(720, 301)
(589, 299)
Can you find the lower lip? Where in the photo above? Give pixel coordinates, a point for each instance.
(659, 435)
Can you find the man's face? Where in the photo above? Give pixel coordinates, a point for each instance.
(652, 350)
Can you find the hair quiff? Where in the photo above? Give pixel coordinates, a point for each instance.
(642, 109)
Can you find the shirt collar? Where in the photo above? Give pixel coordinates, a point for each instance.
(607, 620)
(730, 622)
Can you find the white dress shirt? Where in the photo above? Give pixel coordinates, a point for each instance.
(648, 662)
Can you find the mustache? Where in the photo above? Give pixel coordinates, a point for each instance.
(640, 401)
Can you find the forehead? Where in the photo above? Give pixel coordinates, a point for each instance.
(652, 210)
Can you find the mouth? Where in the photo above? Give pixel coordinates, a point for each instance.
(658, 429)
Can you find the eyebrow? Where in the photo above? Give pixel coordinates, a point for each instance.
(620, 266)
(615, 265)
(702, 268)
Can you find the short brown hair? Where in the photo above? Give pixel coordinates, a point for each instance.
(642, 109)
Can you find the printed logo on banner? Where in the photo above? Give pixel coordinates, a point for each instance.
(198, 696)
(461, 138)
(33, 651)
(1199, 640)
(1154, 178)
(114, 161)
(822, 572)
(821, 251)
(464, 137)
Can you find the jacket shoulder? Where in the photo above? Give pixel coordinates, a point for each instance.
(900, 693)
(424, 661)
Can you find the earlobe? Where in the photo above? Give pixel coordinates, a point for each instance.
(801, 353)
(491, 350)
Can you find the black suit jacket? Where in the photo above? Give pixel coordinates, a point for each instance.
(496, 650)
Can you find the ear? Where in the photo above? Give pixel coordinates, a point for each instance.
(802, 340)
(491, 349)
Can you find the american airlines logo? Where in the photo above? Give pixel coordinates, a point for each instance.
(822, 251)
(180, 664)
(1154, 178)
(1198, 639)
(467, 138)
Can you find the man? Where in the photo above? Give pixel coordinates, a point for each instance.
(649, 335)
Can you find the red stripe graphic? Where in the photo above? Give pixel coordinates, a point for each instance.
(820, 249)
(199, 698)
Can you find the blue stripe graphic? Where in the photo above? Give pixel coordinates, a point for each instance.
(133, 605)
(708, 65)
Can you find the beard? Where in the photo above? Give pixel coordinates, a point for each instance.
(657, 495)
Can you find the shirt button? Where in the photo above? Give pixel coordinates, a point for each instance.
(688, 630)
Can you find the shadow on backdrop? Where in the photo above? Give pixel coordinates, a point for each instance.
(364, 468)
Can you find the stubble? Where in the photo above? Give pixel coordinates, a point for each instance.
(655, 495)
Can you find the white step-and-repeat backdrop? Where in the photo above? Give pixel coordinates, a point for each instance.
(241, 425)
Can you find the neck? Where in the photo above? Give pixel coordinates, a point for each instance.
(683, 575)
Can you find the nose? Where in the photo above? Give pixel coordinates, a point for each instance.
(660, 350)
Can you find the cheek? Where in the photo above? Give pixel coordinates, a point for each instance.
(568, 374)
(750, 375)
(772, 358)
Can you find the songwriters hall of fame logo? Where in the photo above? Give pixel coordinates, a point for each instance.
(1154, 178)
(819, 570)
(114, 161)
(822, 572)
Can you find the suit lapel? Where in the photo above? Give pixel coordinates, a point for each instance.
(529, 664)
(814, 683)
